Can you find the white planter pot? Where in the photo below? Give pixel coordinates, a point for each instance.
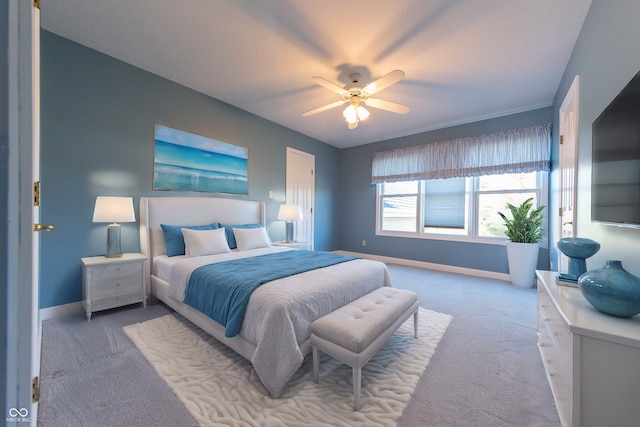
(523, 260)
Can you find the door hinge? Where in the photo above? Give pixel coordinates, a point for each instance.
(35, 390)
(561, 139)
(559, 211)
(311, 172)
(36, 4)
(36, 193)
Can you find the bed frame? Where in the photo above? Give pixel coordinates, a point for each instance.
(192, 211)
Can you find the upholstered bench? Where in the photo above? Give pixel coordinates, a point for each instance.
(355, 332)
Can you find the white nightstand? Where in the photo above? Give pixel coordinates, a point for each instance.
(112, 282)
(294, 245)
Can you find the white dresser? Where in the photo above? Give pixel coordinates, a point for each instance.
(592, 359)
(112, 282)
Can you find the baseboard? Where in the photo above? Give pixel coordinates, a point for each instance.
(58, 311)
(431, 266)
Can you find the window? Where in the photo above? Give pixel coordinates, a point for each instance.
(455, 208)
(445, 206)
(454, 189)
(493, 194)
(444, 201)
(399, 206)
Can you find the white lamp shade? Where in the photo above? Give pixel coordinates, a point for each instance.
(290, 213)
(355, 114)
(114, 209)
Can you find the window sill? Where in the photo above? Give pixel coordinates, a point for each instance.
(500, 241)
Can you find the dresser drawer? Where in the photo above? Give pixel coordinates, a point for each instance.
(545, 304)
(101, 272)
(112, 286)
(560, 382)
(561, 336)
(544, 339)
(106, 302)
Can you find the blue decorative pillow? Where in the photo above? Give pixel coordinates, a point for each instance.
(175, 241)
(231, 238)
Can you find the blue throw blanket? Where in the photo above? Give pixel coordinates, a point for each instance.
(222, 290)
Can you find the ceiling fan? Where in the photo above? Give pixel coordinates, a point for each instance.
(357, 95)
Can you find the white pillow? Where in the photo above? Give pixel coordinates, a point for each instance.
(205, 242)
(251, 238)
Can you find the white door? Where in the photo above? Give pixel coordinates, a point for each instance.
(36, 329)
(568, 167)
(300, 190)
(23, 327)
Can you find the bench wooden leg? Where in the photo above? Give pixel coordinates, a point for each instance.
(356, 388)
(316, 364)
(415, 324)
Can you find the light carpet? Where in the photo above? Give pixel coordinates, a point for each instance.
(220, 388)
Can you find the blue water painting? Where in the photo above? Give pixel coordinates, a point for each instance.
(187, 162)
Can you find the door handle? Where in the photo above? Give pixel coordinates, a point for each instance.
(568, 222)
(40, 227)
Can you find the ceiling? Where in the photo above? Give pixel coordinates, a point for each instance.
(464, 60)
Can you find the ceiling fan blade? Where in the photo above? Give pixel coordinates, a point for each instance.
(324, 108)
(384, 82)
(387, 105)
(352, 125)
(328, 85)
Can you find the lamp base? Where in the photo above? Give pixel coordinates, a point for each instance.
(114, 249)
(289, 232)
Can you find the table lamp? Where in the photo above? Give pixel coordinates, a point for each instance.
(114, 210)
(290, 213)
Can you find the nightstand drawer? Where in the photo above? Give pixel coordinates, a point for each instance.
(116, 285)
(101, 272)
(103, 303)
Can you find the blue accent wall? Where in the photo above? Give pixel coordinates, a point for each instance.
(606, 56)
(358, 201)
(98, 116)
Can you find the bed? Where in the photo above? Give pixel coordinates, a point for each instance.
(275, 333)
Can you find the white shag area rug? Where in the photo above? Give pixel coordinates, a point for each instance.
(220, 388)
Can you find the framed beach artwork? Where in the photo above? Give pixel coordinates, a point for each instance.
(187, 162)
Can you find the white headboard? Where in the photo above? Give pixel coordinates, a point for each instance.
(191, 211)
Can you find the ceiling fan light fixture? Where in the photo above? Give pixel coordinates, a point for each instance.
(356, 94)
(355, 113)
(362, 113)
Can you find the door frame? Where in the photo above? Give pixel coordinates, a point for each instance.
(568, 166)
(22, 303)
(292, 191)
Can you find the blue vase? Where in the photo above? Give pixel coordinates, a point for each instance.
(612, 290)
(578, 249)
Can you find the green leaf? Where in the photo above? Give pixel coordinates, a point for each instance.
(525, 224)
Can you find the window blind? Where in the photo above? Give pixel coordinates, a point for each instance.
(444, 203)
(510, 151)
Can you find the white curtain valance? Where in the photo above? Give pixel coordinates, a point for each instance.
(510, 151)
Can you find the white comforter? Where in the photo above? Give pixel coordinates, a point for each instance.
(279, 314)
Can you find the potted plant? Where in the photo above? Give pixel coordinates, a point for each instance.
(523, 232)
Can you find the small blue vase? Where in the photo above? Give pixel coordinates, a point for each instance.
(612, 290)
(578, 249)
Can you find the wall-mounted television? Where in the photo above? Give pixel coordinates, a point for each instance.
(615, 172)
